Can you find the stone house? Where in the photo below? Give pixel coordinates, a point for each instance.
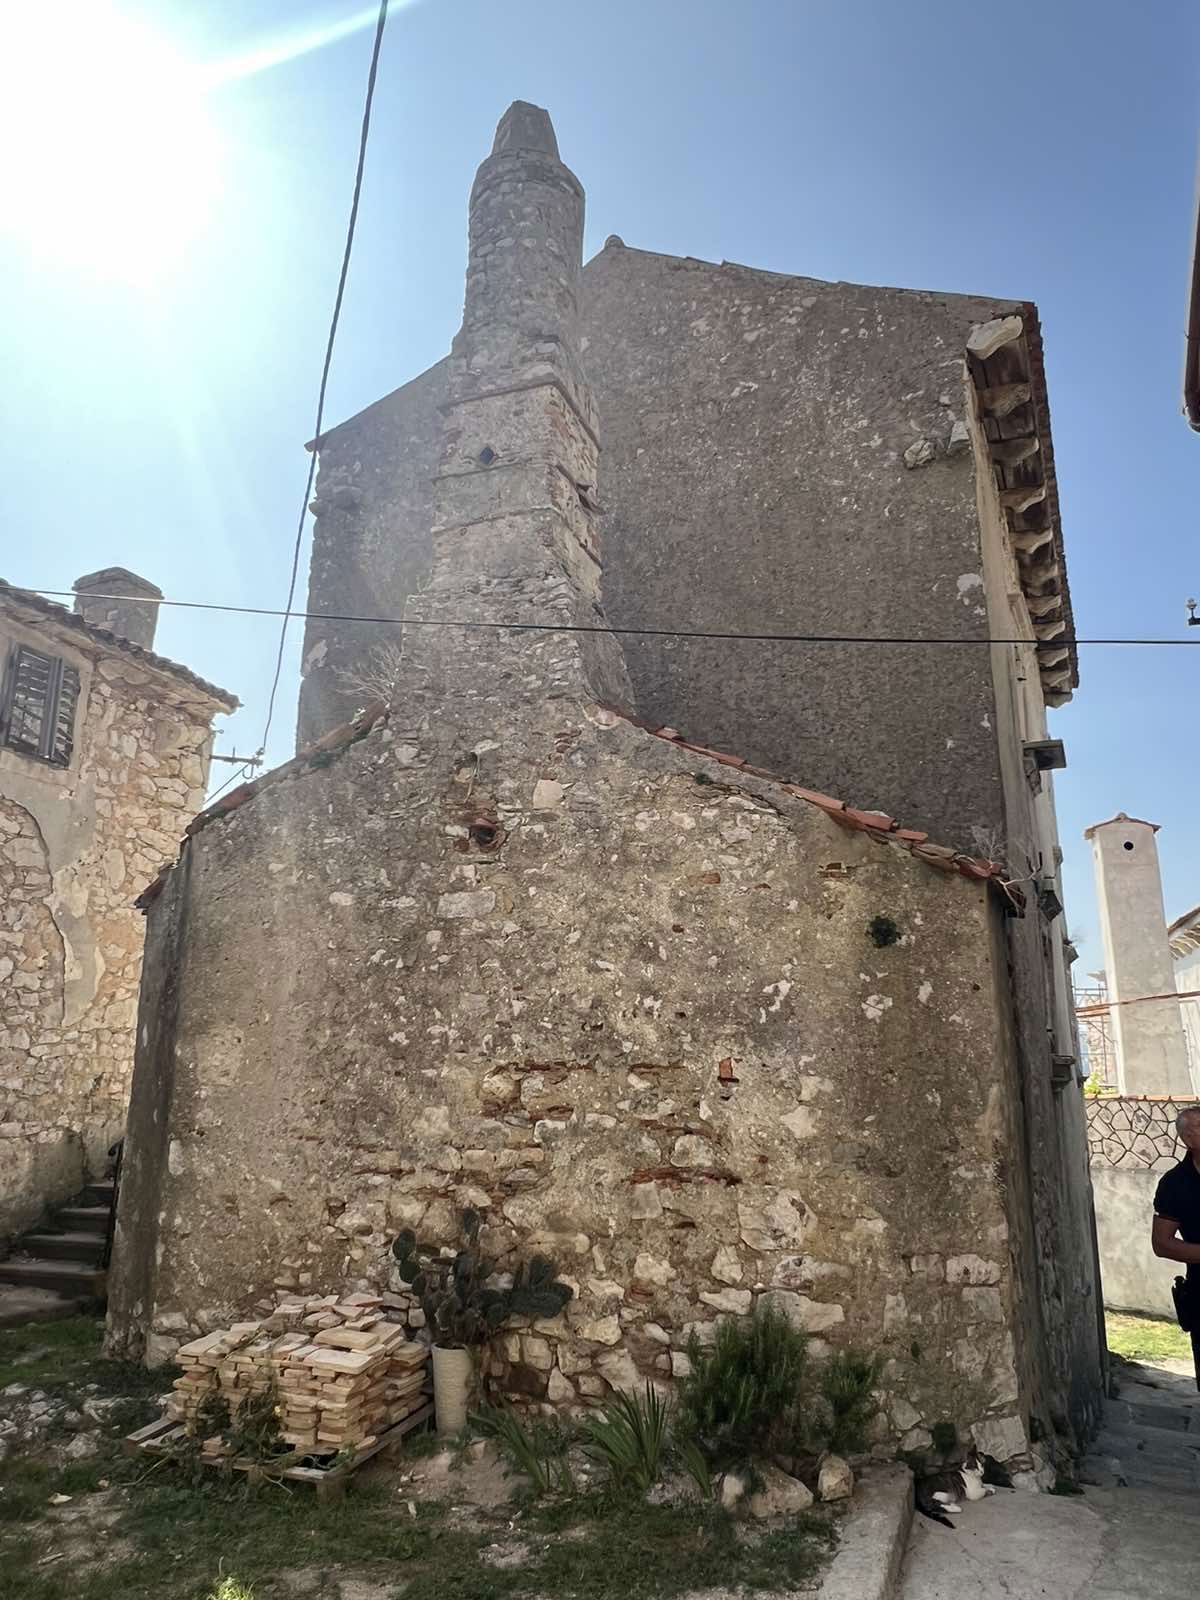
(1139, 959)
(515, 941)
(104, 753)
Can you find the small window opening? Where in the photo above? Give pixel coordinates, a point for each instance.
(487, 455)
(1128, 845)
(37, 707)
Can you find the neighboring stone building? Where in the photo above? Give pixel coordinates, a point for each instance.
(700, 1033)
(1156, 1045)
(1147, 1030)
(104, 751)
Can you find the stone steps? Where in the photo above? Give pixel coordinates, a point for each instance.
(63, 1257)
(75, 1279)
(85, 1219)
(77, 1246)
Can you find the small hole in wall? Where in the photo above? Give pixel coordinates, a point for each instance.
(485, 835)
(487, 455)
(1127, 845)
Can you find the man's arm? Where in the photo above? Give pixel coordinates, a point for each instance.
(1164, 1243)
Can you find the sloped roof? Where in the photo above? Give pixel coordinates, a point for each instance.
(877, 824)
(1121, 816)
(71, 619)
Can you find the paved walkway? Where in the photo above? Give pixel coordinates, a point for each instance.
(1133, 1536)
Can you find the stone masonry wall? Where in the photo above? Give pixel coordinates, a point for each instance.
(649, 1033)
(510, 951)
(801, 453)
(777, 457)
(76, 846)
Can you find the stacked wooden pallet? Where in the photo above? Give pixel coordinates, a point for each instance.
(343, 1374)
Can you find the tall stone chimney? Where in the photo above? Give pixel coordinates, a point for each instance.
(1151, 1048)
(515, 534)
(120, 601)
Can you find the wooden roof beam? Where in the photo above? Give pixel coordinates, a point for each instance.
(1022, 497)
(1011, 452)
(1005, 397)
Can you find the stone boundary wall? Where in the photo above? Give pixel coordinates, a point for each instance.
(1131, 1143)
(1133, 1131)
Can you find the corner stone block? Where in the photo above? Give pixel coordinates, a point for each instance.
(1001, 1437)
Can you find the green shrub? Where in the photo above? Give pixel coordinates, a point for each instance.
(629, 1439)
(538, 1452)
(744, 1396)
(847, 1383)
(692, 1460)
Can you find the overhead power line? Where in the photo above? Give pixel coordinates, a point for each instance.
(475, 624)
(288, 613)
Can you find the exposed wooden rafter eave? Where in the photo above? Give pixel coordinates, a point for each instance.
(1004, 357)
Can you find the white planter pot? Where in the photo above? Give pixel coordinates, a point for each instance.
(453, 1382)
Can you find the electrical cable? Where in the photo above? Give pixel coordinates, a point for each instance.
(287, 613)
(1061, 642)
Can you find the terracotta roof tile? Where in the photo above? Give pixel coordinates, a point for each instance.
(877, 824)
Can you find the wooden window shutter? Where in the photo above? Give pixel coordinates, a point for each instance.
(62, 740)
(37, 712)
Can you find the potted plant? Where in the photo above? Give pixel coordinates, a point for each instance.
(463, 1314)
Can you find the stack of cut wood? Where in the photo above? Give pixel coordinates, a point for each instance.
(343, 1374)
(202, 1362)
(349, 1385)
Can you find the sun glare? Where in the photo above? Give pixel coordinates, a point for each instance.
(112, 164)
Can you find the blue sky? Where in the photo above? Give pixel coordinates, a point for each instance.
(154, 412)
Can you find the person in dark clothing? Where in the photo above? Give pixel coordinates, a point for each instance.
(1175, 1235)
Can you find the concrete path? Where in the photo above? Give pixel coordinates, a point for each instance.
(1133, 1535)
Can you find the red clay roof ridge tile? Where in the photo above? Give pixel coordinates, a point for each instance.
(877, 824)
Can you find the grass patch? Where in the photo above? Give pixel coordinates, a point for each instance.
(26, 1486)
(1146, 1338)
(43, 1353)
(190, 1538)
(224, 1539)
(159, 1530)
(620, 1548)
(63, 1357)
